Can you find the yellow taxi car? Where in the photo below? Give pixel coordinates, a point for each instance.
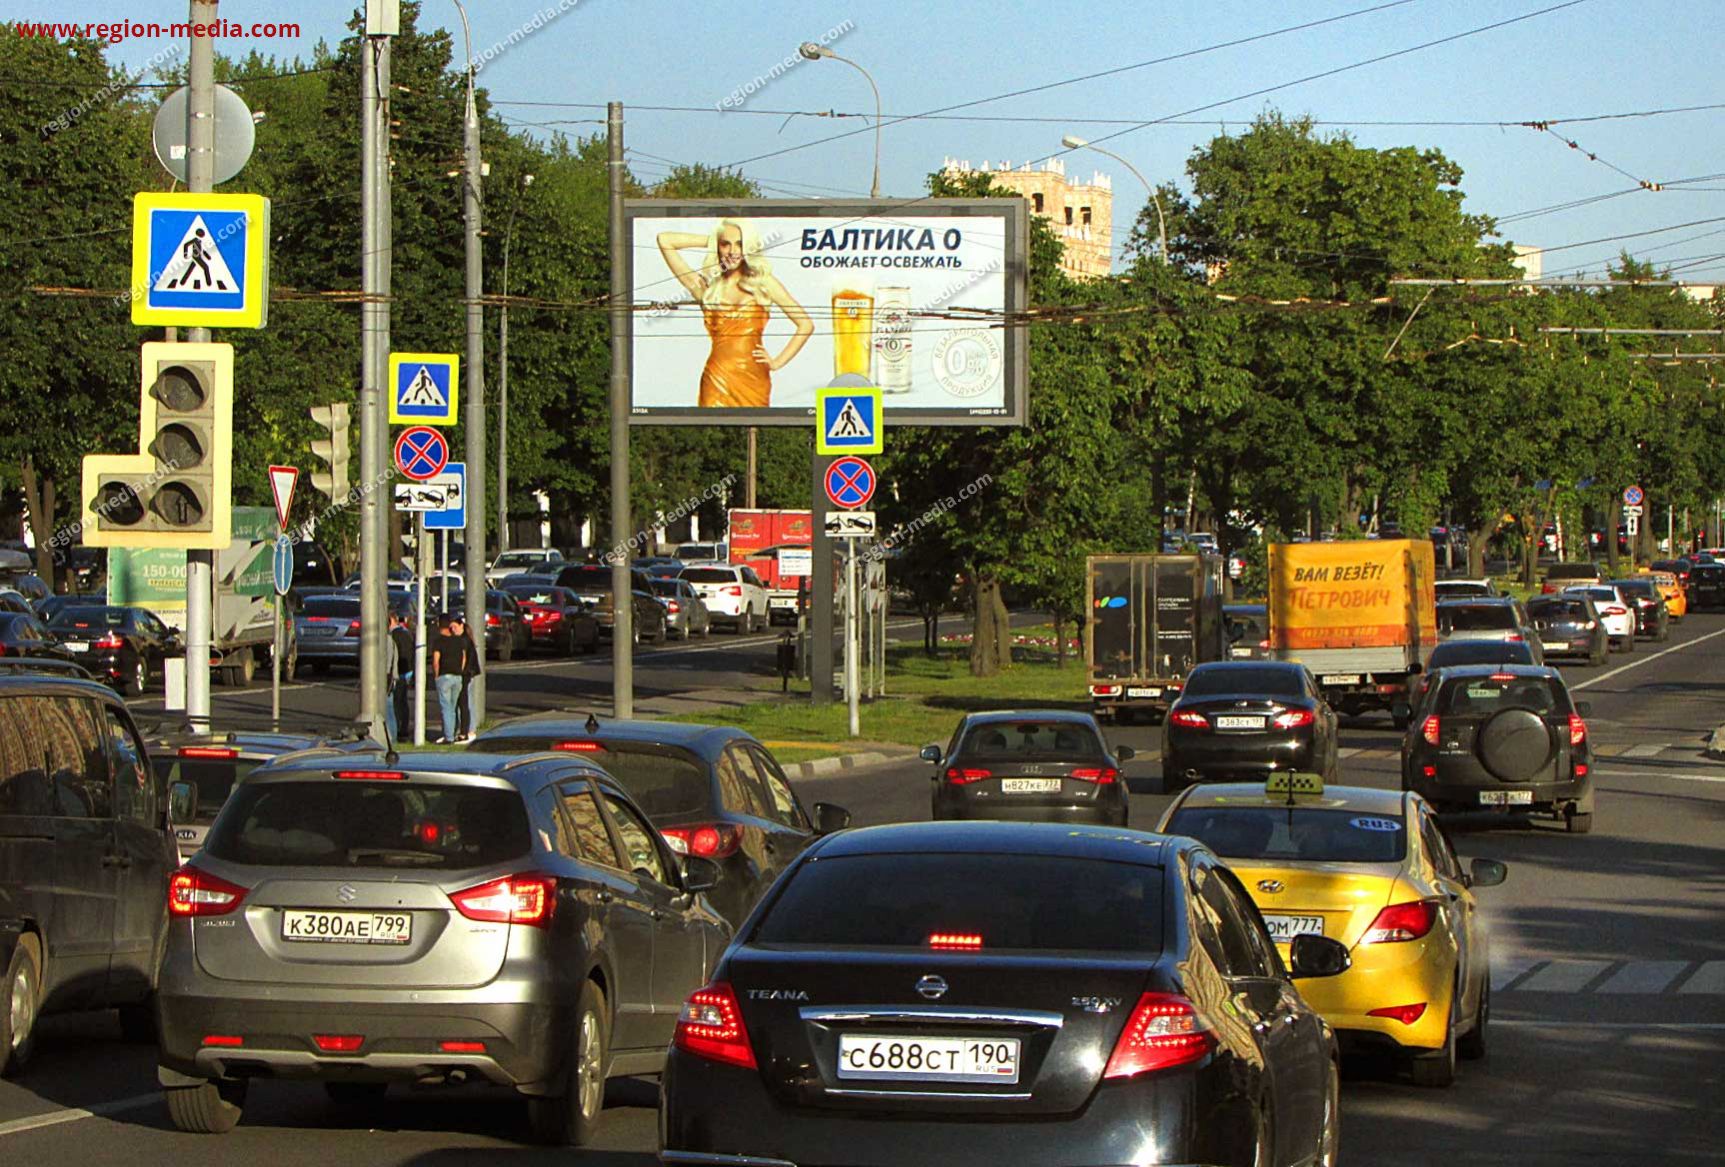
(1676, 599)
(1371, 869)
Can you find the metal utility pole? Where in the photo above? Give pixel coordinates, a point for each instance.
(622, 605)
(474, 570)
(749, 482)
(375, 554)
(200, 177)
(820, 589)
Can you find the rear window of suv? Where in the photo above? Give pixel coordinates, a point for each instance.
(1558, 610)
(1038, 902)
(370, 824)
(1477, 617)
(1484, 696)
(214, 778)
(710, 574)
(1572, 571)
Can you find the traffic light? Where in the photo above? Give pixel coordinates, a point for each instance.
(333, 449)
(179, 491)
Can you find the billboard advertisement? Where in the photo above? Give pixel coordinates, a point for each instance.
(743, 310)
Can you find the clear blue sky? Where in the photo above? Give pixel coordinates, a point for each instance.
(1599, 57)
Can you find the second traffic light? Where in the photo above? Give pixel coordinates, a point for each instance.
(178, 492)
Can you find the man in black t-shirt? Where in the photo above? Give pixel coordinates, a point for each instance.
(450, 662)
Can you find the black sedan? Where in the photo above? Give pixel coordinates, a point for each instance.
(1108, 996)
(1652, 618)
(1244, 719)
(26, 636)
(1568, 626)
(713, 792)
(124, 646)
(1035, 765)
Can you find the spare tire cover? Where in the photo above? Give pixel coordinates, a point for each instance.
(1515, 745)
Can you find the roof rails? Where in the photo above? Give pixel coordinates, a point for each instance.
(45, 664)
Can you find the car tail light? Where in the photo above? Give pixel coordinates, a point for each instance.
(461, 1047)
(1105, 690)
(711, 1026)
(1164, 1031)
(956, 941)
(112, 640)
(673, 607)
(705, 840)
(224, 1040)
(1548, 589)
(959, 776)
(1577, 729)
(550, 616)
(338, 1043)
(1614, 610)
(578, 747)
(353, 628)
(1189, 719)
(1101, 775)
(514, 899)
(1406, 1014)
(1430, 730)
(492, 620)
(1399, 922)
(372, 775)
(1591, 625)
(1294, 719)
(1515, 638)
(1429, 771)
(208, 752)
(194, 892)
(732, 590)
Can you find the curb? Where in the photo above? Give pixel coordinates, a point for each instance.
(826, 767)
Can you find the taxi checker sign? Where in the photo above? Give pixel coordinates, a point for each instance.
(423, 388)
(421, 453)
(848, 421)
(850, 483)
(200, 260)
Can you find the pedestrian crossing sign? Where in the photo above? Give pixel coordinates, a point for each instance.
(848, 421)
(423, 388)
(200, 260)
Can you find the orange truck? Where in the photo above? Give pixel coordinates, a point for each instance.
(759, 539)
(1361, 614)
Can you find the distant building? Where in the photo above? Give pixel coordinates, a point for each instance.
(1531, 261)
(1081, 213)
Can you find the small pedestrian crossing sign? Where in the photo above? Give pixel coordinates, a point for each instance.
(424, 388)
(848, 421)
(200, 260)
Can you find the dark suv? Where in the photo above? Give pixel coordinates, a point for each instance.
(1567, 575)
(85, 858)
(1706, 586)
(1504, 738)
(429, 918)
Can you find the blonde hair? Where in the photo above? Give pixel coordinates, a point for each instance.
(753, 274)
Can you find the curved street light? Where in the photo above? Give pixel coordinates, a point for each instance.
(1075, 143)
(812, 52)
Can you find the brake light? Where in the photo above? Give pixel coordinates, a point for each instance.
(1101, 775)
(1399, 922)
(578, 747)
(705, 840)
(353, 628)
(338, 1043)
(549, 616)
(1294, 719)
(112, 640)
(732, 590)
(372, 775)
(711, 1026)
(958, 777)
(514, 899)
(208, 752)
(492, 620)
(673, 607)
(224, 1040)
(1429, 730)
(1406, 1014)
(1164, 1031)
(1189, 719)
(194, 892)
(1105, 690)
(1581, 769)
(1515, 638)
(1577, 729)
(959, 941)
(461, 1047)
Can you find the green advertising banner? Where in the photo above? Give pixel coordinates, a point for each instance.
(147, 577)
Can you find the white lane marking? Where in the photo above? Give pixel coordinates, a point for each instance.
(1642, 752)
(1701, 1026)
(1642, 660)
(1647, 774)
(1709, 978)
(55, 1117)
(1563, 976)
(1644, 976)
(1506, 970)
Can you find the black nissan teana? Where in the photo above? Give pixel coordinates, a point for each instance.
(1111, 996)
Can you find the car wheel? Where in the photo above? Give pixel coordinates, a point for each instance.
(1472, 1045)
(1598, 659)
(355, 1093)
(572, 1118)
(138, 1022)
(1330, 1134)
(1664, 633)
(140, 678)
(18, 1000)
(209, 1108)
(1436, 1069)
(1629, 644)
(1578, 822)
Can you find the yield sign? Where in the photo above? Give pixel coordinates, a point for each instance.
(282, 480)
(850, 482)
(421, 452)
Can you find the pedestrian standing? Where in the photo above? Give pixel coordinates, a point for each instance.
(392, 680)
(474, 659)
(401, 636)
(449, 664)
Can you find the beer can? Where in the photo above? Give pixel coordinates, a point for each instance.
(892, 340)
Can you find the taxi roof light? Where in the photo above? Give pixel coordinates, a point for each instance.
(1292, 782)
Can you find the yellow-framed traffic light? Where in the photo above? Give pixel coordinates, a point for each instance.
(178, 491)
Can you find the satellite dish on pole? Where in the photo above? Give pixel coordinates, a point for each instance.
(235, 134)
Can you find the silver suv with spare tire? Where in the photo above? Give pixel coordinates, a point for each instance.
(1504, 738)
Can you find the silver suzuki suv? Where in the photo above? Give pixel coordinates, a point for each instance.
(429, 918)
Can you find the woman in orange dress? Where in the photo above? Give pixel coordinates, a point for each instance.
(737, 290)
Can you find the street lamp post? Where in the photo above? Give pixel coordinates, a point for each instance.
(1075, 143)
(503, 377)
(813, 52)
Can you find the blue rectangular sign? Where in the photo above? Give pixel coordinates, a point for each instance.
(454, 516)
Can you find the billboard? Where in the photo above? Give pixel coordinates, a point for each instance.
(744, 309)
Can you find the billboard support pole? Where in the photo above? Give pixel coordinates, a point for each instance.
(422, 561)
(821, 593)
(622, 606)
(853, 626)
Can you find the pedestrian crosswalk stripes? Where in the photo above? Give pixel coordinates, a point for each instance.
(1516, 973)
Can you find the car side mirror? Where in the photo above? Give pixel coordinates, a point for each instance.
(930, 754)
(1311, 955)
(1125, 753)
(1487, 873)
(1584, 708)
(830, 818)
(182, 802)
(1401, 711)
(699, 874)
